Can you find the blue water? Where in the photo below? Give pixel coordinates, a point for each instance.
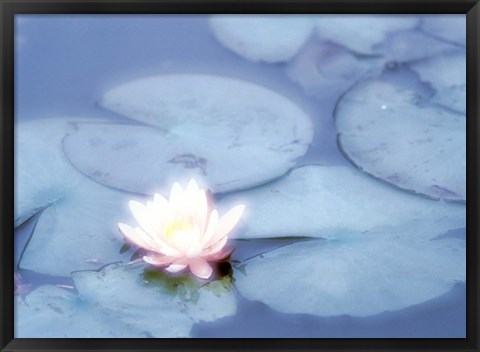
(63, 66)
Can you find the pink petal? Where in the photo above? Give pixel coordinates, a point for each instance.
(226, 223)
(200, 268)
(217, 247)
(158, 260)
(175, 268)
(221, 254)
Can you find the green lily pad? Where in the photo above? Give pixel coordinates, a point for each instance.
(359, 275)
(388, 132)
(327, 202)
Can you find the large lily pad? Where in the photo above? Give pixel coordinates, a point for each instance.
(386, 131)
(123, 301)
(153, 302)
(52, 312)
(320, 201)
(452, 28)
(42, 173)
(79, 227)
(79, 231)
(447, 74)
(219, 128)
(358, 275)
(271, 38)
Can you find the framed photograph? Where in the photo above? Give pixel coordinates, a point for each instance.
(221, 175)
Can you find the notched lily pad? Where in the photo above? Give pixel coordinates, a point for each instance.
(358, 275)
(214, 128)
(42, 173)
(327, 202)
(52, 312)
(388, 132)
(154, 302)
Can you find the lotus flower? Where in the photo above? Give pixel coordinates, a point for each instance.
(182, 231)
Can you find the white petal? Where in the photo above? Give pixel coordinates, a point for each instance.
(211, 227)
(137, 237)
(217, 247)
(201, 212)
(227, 223)
(175, 193)
(140, 213)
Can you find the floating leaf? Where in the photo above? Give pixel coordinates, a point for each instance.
(214, 128)
(321, 201)
(42, 173)
(161, 305)
(52, 312)
(359, 275)
(80, 221)
(269, 38)
(386, 131)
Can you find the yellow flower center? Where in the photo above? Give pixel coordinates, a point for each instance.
(175, 227)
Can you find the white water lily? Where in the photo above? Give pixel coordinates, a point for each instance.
(182, 231)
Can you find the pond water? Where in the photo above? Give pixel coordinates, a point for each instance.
(343, 136)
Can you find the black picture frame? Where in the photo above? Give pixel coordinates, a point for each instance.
(9, 8)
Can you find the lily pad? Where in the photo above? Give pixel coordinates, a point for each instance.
(327, 202)
(452, 28)
(387, 132)
(268, 38)
(412, 44)
(358, 275)
(42, 173)
(215, 127)
(362, 33)
(52, 312)
(79, 231)
(447, 74)
(79, 226)
(153, 302)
